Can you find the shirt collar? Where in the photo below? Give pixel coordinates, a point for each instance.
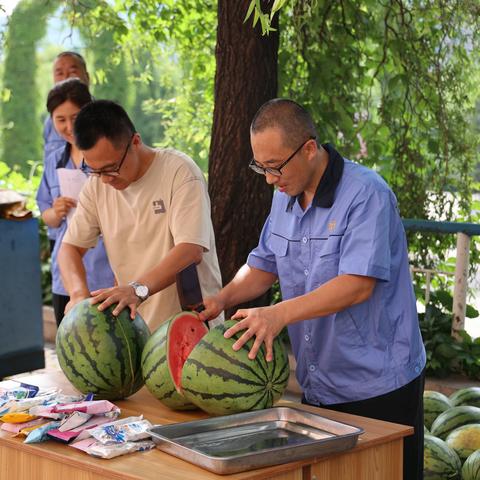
(62, 162)
(324, 195)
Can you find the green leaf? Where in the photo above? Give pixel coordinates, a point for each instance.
(249, 11)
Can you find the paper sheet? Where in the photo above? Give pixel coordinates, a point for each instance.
(71, 183)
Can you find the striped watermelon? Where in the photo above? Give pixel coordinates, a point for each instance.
(464, 440)
(471, 467)
(180, 329)
(434, 403)
(453, 418)
(100, 353)
(466, 396)
(222, 381)
(440, 462)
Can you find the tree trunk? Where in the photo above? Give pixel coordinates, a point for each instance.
(245, 78)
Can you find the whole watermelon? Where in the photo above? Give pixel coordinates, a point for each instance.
(464, 440)
(471, 467)
(466, 396)
(434, 403)
(440, 462)
(453, 418)
(222, 381)
(164, 354)
(100, 353)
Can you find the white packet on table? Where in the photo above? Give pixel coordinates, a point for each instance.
(98, 449)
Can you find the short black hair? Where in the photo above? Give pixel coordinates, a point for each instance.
(72, 89)
(68, 53)
(290, 117)
(102, 119)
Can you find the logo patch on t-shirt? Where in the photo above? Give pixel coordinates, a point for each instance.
(158, 206)
(332, 225)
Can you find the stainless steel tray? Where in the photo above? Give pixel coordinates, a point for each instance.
(244, 441)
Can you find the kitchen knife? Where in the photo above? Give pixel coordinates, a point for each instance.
(188, 288)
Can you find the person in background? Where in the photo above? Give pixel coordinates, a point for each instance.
(63, 103)
(66, 65)
(335, 241)
(153, 209)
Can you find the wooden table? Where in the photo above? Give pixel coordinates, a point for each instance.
(377, 455)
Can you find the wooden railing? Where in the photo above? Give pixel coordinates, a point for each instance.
(464, 232)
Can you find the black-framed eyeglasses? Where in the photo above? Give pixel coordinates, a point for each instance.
(110, 172)
(277, 171)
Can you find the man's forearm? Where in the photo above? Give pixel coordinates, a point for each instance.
(72, 270)
(163, 274)
(248, 283)
(334, 296)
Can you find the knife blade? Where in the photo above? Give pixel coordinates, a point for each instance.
(188, 288)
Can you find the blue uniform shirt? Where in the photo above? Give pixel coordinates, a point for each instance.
(97, 267)
(352, 227)
(51, 141)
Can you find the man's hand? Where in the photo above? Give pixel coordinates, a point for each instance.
(213, 307)
(123, 296)
(74, 299)
(62, 205)
(263, 323)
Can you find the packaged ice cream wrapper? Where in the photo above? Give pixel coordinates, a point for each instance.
(74, 420)
(70, 435)
(117, 432)
(16, 427)
(40, 433)
(94, 407)
(98, 449)
(115, 424)
(27, 430)
(17, 417)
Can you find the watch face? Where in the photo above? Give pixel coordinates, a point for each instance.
(141, 291)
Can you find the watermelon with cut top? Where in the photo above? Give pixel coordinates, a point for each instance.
(99, 352)
(164, 355)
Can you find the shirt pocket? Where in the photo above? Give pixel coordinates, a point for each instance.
(326, 259)
(284, 251)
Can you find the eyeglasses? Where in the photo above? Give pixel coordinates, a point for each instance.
(111, 172)
(277, 171)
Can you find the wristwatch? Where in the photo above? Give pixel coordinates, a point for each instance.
(141, 291)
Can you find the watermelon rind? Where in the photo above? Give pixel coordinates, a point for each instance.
(155, 369)
(471, 467)
(453, 418)
(222, 381)
(440, 461)
(466, 396)
(99, 352)
(434, 403)
(464, 440)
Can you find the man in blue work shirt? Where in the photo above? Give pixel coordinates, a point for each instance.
(335, 241)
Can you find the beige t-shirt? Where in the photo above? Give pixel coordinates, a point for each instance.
(168, 205)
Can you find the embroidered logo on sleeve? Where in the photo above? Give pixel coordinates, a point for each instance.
(331, 225)
(158, 206)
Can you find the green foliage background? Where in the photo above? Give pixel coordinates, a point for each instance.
(395, 85)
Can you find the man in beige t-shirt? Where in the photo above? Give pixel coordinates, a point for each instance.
(153, 210)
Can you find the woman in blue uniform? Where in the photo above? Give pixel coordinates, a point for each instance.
(64, 102)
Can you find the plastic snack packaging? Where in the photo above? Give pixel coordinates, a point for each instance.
(122, 431)
(17, 417)
(40, 433)
(16, 427)
(98, 449)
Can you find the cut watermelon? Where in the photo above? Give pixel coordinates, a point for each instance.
(184, 332)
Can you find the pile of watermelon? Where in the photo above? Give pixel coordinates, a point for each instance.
(187, 366)
(452, 435)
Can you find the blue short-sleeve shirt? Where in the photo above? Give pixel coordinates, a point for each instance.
(352, 227)
(95, 260)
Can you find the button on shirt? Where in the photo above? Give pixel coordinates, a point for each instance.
(97, 267)
(351, 227)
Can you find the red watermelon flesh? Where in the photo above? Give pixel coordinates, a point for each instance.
(184, 332)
